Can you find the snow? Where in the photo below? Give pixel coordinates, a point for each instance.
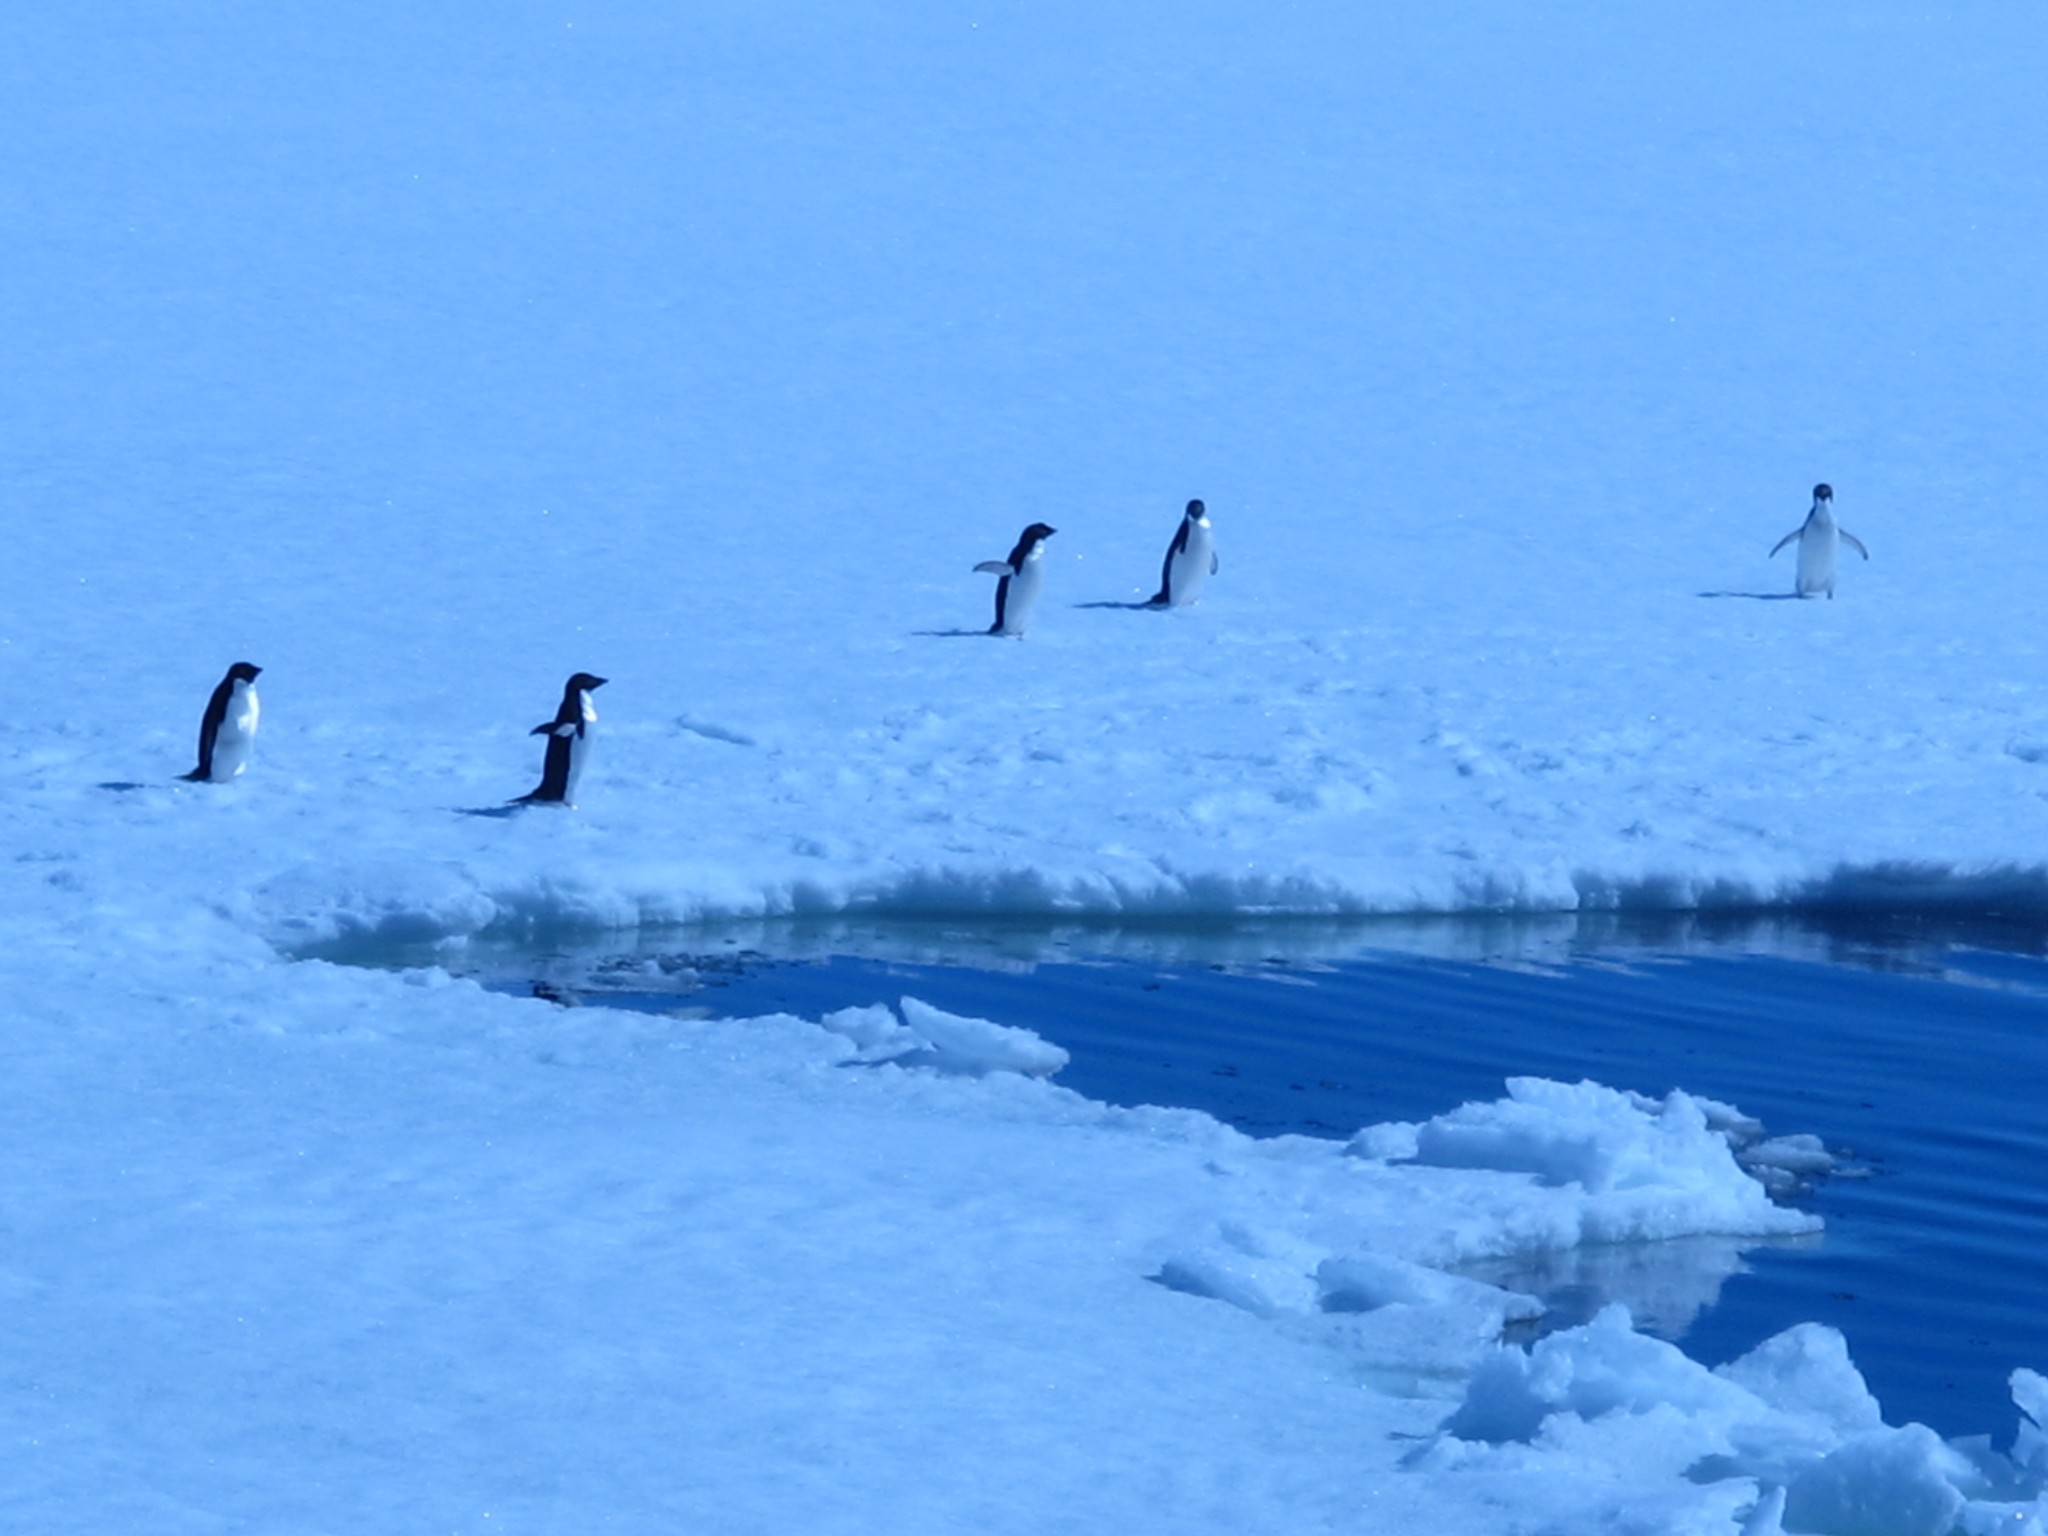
(428, 359)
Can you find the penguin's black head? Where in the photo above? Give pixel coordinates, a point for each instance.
(583, 682)
(1823, 492)
(243, 672)
(1039, 531)
(1196, 509)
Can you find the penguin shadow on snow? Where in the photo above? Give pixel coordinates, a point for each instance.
(132, 786)
(1758, 597)
(991, 634)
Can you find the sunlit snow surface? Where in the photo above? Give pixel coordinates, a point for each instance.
(424, 356)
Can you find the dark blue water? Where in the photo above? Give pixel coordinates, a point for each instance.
(1922, 1059)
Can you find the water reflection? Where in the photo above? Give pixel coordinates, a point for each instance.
(1933, 942)
(1666, 1286)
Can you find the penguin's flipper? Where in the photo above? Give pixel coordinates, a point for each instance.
(1215, 565)
(1853, 542)
(545, 728)
(1786, 540)
(996, 568)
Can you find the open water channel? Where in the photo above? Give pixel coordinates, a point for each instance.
(1915, 1047)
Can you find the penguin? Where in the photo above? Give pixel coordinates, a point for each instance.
(1190, 560)
(568, 737)
(1817, 538)
(227, 731)
(1023, 578)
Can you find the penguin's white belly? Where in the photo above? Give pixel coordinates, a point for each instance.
(579, 748)
(236, 738)
(579, 758)
(1022, 597)
(1817, 548)
(1189, 567)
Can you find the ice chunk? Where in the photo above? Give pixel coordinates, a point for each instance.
(1365, 1282)
(1767, 1519)
(2030, 1395)
(1731, 1122)
(1572, 1133)
(1600, 1368)
(1889, 1482)
(1263, 1273)
(1651, 1172)
(951, 1042)
(1810, 1398)
(961, 1044)
(1806, 1370)
(2030, 1445)
(877, 1033)
(1803, 1155)
(1786, 1165)
(1390, 1141)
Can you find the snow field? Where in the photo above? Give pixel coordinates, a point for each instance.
(426, 360)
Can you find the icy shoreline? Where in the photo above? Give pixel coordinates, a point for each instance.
(312, 1200)
(458, 907)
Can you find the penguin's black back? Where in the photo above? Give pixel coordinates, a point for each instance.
(1180, 542)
